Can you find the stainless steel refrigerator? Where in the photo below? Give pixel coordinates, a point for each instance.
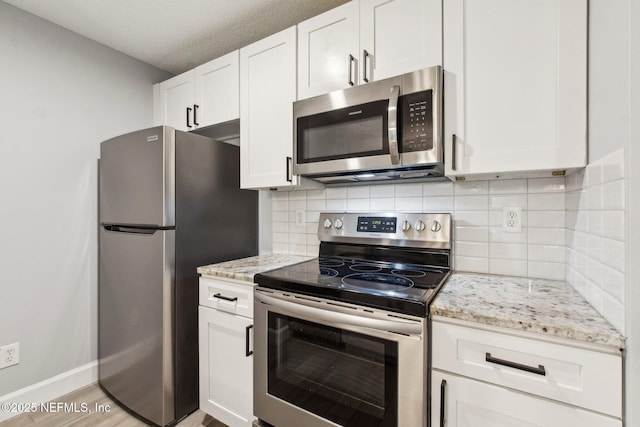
(170, 201)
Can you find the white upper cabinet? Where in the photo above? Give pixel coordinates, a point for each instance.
(399, 36)
(175, 96)
(328, 50)
(367, 40)
(515, 87)
(217, 88)
(267, 92)
(204, 96)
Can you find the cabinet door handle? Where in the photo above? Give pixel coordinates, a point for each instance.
(247, 351)
(195, 111)
(539, 370)
(220, 296)
(365, 56)
(350, 60)
(188, 110)
(443, 394)
(289, 175)
(453, 151)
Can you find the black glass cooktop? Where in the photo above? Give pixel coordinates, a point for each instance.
(405, 288)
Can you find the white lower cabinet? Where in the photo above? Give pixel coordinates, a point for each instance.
(471, 403)
(485, 376)
(226, 360)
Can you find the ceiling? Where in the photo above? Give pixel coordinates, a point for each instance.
(175, 35)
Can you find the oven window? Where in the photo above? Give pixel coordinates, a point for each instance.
(343, 376)
(358, 131)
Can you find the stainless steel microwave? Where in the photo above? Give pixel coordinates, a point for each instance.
(383, 130)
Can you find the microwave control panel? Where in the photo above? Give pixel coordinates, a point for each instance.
(417, 121)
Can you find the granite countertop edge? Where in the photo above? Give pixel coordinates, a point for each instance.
(546, 307)
(246, 268)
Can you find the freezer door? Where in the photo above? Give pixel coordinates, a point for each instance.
(135, 320)
(137, 178)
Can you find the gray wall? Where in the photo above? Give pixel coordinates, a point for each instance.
(60, 95)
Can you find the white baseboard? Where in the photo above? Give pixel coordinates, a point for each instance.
(51, 388)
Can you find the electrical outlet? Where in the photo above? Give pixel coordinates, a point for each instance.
(9, 355)
(512, 219)
(300, 218)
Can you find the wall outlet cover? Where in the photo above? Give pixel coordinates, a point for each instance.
(512, 219)
(9, 355)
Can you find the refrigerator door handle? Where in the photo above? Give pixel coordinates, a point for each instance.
(134, 230)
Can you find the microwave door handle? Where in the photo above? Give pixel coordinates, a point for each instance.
(393, 125)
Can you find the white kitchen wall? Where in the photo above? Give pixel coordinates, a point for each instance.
(596, 225)
(480, 243)
(61, 94)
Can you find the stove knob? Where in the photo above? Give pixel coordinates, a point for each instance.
(338, 224)
(406, 226)
(436, 226)
(419, 226)
(327, 223)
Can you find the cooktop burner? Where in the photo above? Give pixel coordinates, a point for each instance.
(398, 287)
(396, 262)
(367, 274)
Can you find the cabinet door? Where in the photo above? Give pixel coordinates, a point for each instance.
(217, 86)
(515, 85)
(267, 92)
(328, 51)
(470, 403)
(176, 95)
(226, 372)
(399, 36)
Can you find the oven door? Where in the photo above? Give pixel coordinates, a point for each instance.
(322, 363)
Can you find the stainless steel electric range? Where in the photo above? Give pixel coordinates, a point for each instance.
(343, 339)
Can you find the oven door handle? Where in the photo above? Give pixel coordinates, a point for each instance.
(399, 326)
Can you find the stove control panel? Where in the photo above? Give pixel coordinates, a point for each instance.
(377, 224)
(431, 230)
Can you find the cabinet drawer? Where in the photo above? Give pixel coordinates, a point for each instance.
(580, 377)
(233, 296)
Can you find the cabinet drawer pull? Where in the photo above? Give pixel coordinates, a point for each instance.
(195, 111)
(539, 370)
(220, 296)
(247, 351)
(443, 387)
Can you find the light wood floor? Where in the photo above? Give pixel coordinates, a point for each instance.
(92, 395)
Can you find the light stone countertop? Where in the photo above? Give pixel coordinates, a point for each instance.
(246, 268)
(547, 307)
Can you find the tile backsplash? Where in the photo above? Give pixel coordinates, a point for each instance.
(480, 244)
(596, 229)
